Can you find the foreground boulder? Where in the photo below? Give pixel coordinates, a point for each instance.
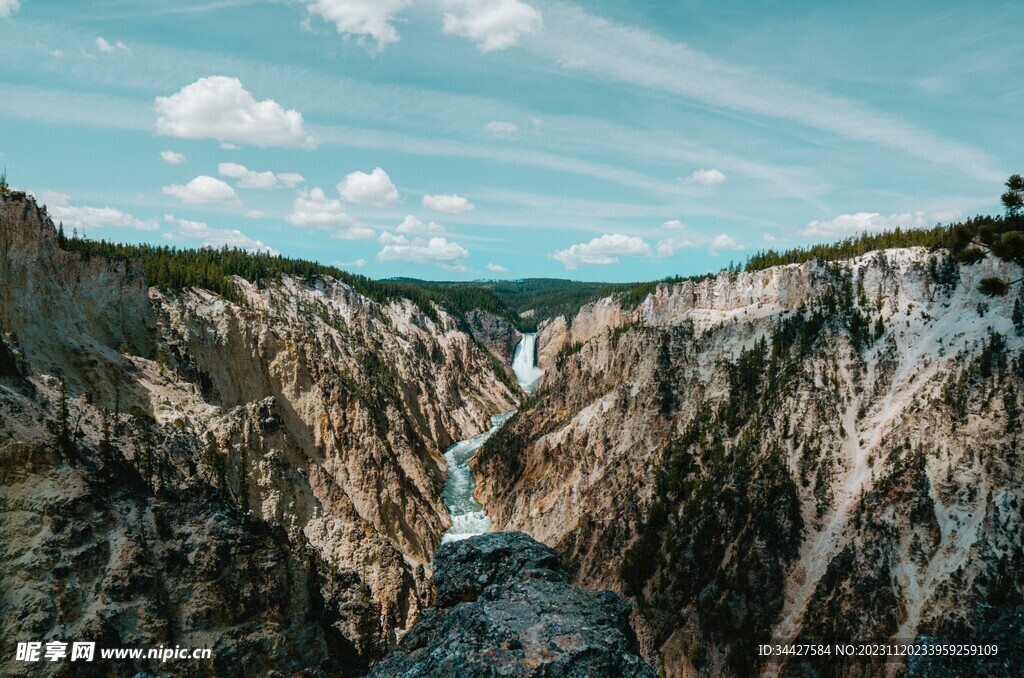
(504, 606)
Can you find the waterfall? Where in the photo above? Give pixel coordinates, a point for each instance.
(524, 363)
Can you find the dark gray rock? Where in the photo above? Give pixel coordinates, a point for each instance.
(496, 334)
(504, 607)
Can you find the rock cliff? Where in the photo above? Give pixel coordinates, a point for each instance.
(811, 451)
(259, 477)
(504, 606)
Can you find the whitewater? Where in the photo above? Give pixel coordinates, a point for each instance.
(468, 516)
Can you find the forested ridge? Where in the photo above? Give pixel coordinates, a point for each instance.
(525, 303)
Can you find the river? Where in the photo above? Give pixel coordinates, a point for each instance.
(468, 516)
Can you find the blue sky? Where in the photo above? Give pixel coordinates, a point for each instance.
(461, 139)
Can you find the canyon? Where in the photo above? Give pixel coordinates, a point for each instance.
(811, 452)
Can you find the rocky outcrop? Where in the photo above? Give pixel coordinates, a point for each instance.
(260, 477)
(503, 606)
(812, 451)
(557, 334)
(496, 334)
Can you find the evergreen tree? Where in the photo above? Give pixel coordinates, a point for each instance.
(1018, 316)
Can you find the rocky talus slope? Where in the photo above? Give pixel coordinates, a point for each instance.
(503, 606)
(812, 452)
(261, 478)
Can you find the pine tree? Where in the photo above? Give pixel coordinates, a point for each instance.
(1018, 316)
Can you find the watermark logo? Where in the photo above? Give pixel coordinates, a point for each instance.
(55, 650)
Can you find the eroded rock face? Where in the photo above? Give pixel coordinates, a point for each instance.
(496, 334)
(504, 606)
(259, 478)
(811, 451)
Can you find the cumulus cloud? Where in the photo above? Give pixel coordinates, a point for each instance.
(413, 225)
(669, 246)
(502, 129)
(438, 251)
(255, 214)
(492, 24)
(9, 7)
(452, 204)
(605, 250)
(248, 178)
(355, 263)
(370, 18)
(216, 237)
(369, 189)
(872, 222)
(203, 190)
(313, 208)
(218, 107)
(82, 216)
(497, 268)
(104, 46)
(724, 242)
(709, 177)
(172, 157)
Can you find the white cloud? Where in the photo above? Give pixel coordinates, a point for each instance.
(355, 263)
(225, 146)
(669, 246)
(248, 178)
(81, 216)
(872, 222)
(369, 189)
(314, 208)
(604, 250)
(370, 18)
(641, 57)
(56, 54)
(500, 128)
(9, 7)
(357, 232)
(217, 237)
(452, 204)
(203, 190)
(724, 242)
(437, 251)
(491, 24)
(496, 268)
(413, 225)
(673, 224)
(107, 48)
(711, 177)
(220, 108)
(172, 157)
(290, 179)
(572, 62)
(768, 237)
(255, 214)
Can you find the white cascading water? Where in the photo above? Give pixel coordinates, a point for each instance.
(524, 363)
(468, 517)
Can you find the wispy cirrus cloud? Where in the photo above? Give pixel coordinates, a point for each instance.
(639, 57)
